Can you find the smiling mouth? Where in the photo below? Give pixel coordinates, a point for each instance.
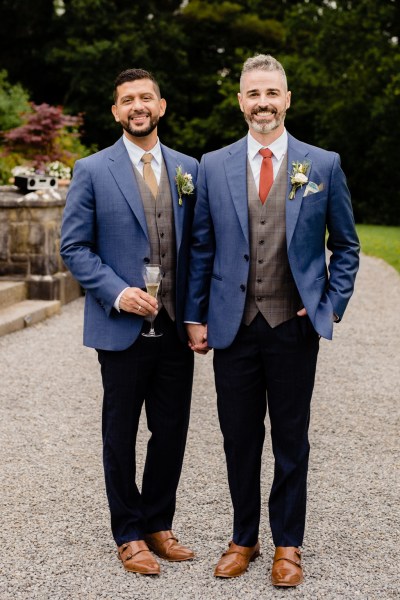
(264, 113)
(139, 118)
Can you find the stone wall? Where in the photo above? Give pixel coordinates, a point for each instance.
(30, 243)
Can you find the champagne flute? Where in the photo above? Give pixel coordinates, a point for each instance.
(152, 275)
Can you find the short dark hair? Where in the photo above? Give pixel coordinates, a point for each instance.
(133, 75)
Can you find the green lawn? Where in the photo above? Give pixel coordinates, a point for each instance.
(381, 241)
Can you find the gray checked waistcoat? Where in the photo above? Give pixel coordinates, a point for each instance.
(161, 230)
(271, 289)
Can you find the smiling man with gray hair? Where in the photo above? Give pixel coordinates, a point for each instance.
(261, 295)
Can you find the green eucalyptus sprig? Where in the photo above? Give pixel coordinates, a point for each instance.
(184, 183)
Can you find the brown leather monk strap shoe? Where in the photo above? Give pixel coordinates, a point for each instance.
(166, 545)
(286, 568)
(235, 561)
(137, 558)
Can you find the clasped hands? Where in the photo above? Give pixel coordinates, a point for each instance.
(197, 334)
(136, 300)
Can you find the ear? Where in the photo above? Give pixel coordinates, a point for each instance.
(114, 111)
(239, 97)
(163, 106)
(288, 99)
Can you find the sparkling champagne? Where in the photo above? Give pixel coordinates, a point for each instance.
(152, 289)
(152, 276)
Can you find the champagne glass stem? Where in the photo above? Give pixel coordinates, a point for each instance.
(151, 332)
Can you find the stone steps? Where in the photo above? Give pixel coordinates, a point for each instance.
(11, 292)
(16, 312)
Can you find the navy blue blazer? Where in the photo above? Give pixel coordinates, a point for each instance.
(105, 243)
(219, 265)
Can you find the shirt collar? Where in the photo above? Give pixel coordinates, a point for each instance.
(278, 147)
(136, 153)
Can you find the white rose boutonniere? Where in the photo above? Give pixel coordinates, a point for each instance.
(298, 177)
(184, 183)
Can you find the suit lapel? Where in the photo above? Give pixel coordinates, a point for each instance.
(122, 170)
(236, 173)
(171, 164)
(293, 206)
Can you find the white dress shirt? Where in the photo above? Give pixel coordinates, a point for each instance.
(278, 149)
(135, 154)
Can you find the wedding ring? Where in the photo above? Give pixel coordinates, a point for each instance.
(139, 307)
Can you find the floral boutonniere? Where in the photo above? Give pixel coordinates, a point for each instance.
(298, 177)
(184, 183)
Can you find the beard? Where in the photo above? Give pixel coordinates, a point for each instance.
(140, 132)
(265, 126)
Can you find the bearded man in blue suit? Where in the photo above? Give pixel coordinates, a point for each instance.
(261, 295)
(124, 211)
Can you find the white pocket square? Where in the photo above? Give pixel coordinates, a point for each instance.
(313, 188)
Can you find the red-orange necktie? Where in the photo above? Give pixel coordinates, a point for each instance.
(266, 174)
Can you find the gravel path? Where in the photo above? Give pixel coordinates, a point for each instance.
(55, 537)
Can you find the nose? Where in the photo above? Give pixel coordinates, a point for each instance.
(263, 101)
(137, 104)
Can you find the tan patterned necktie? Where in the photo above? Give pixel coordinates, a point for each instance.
(148, 173)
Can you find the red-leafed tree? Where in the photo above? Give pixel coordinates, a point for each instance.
(42, 137)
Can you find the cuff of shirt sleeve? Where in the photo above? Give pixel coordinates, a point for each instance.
(118, 298)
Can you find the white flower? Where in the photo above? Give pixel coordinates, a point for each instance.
(59, 170)
(298, 177)
(22, 170)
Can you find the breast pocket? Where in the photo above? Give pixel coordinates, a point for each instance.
(314, 198)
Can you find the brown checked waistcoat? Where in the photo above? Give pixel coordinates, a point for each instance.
(271, 289)
(161, 230)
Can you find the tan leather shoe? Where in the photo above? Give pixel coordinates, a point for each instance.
(286, 568)
(137, 558)
(235, 561)
(166, 545)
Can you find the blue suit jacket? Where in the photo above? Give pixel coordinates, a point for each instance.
(105, 244)
(219, 266)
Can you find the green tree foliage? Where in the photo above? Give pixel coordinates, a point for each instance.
(344, 69)
(14, 101)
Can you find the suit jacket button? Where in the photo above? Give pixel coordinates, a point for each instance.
(243, 287)
(246, 257)
(146, 260)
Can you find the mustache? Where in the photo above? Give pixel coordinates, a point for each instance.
(139, 113)
(260, 109)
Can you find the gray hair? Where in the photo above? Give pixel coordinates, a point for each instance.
(264, 62)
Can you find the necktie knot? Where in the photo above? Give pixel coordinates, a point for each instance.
(147, 158)
(265, 153)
